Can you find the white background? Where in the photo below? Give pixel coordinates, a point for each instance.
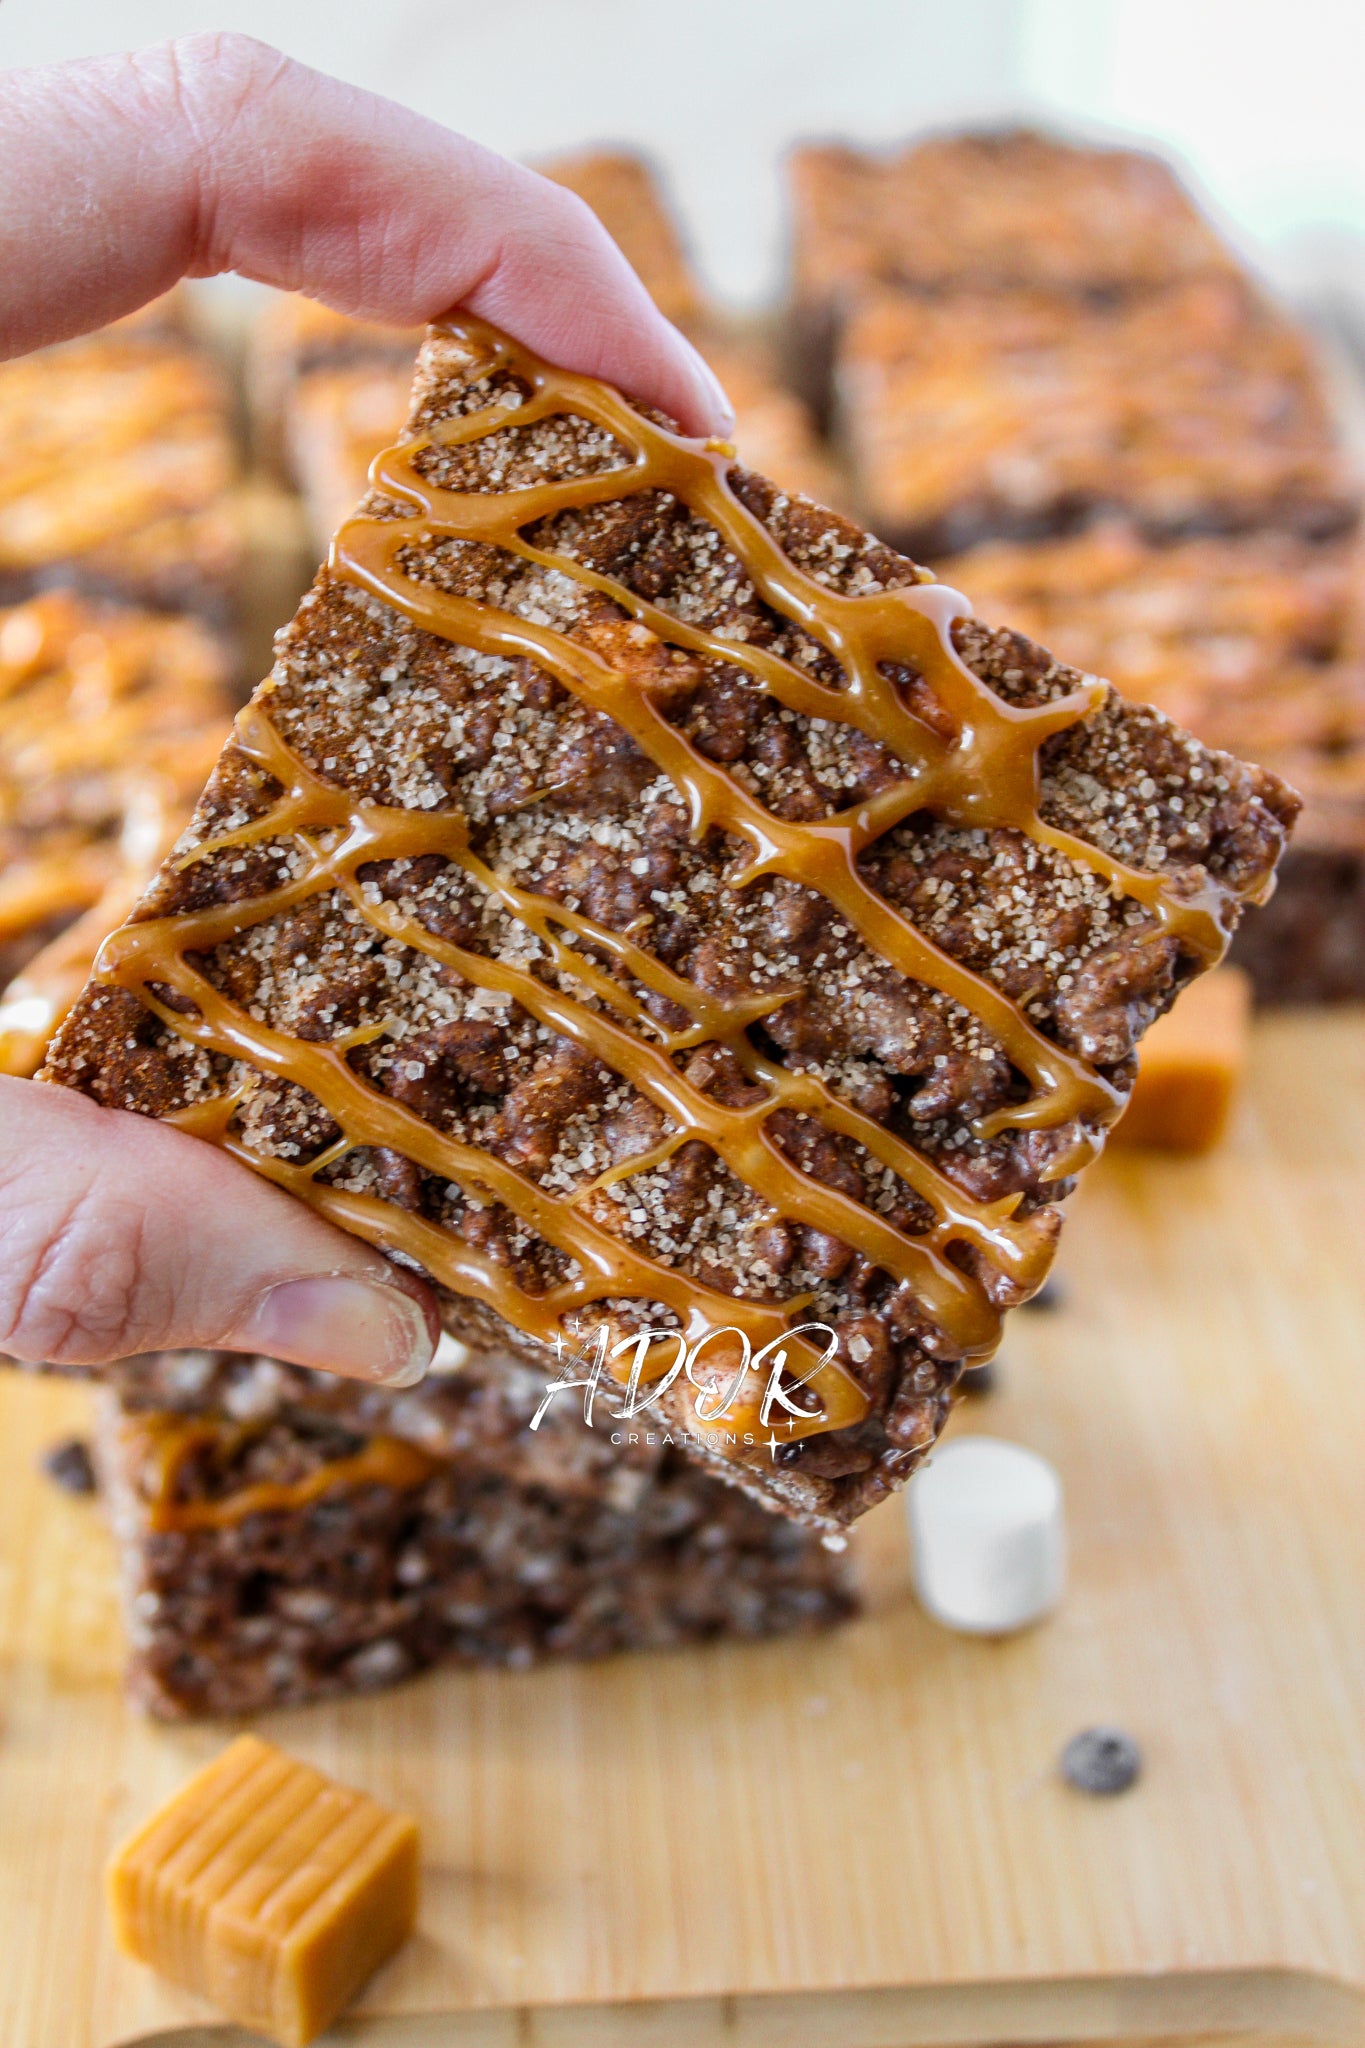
(1264, 100)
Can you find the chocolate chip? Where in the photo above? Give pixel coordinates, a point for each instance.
(1101, 1760)
(69, 1466)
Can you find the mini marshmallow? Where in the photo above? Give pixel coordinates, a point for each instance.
(989, 1536)
(450, 1356)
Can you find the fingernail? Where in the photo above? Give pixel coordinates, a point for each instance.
(718, 404)
(363, 1329)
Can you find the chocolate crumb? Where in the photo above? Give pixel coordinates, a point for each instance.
(68, 1464)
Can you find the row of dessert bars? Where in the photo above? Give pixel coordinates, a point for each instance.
(1053, 380)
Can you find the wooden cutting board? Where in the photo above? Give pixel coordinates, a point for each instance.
(860, 1841)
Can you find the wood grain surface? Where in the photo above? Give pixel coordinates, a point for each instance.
(860, 1841)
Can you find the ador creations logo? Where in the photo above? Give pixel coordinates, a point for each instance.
(641, 1386)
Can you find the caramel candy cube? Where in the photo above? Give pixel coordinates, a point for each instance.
(1191, 1067)
(267, 1889)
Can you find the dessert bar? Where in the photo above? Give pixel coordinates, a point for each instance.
(662, 914)
(1018, 415)
(1255, 644)
(287, 1536)
(1308, 946)
(626, 196)
(994, 209)
(110, 719)
(337, 391)
(116, 463)
(985, 211)
(1249, 640)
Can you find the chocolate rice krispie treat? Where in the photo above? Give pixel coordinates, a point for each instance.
(116, 465)
(625, 193)
(1023, 415)
(1308, 946)
(110, 719)
(659, 912)
(1249, 640)
(333, 392)
(984, 212)
(1254, 643)
(286, 1537)
(995, 209)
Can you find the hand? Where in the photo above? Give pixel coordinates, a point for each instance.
(118, 1234)
(214, 153)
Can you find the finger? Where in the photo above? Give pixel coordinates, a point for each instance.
(119, 1234)
(214, 152)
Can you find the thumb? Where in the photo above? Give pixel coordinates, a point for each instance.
(119, 1234)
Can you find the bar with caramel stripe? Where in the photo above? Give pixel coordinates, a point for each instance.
(663, 915)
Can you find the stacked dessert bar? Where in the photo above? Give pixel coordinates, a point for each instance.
(1053, 380)
(286, 1536)
(983, 212)
(1194, 409)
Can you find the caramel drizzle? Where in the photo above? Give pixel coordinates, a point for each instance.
(987, 775)
(66, 877)
(140, 395)
(38, 999)
(171, 1439)
(100, 712)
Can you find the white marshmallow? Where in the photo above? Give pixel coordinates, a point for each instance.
(989, 1535)
(449, 1357)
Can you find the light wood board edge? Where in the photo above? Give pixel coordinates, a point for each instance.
(1233, 2009)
